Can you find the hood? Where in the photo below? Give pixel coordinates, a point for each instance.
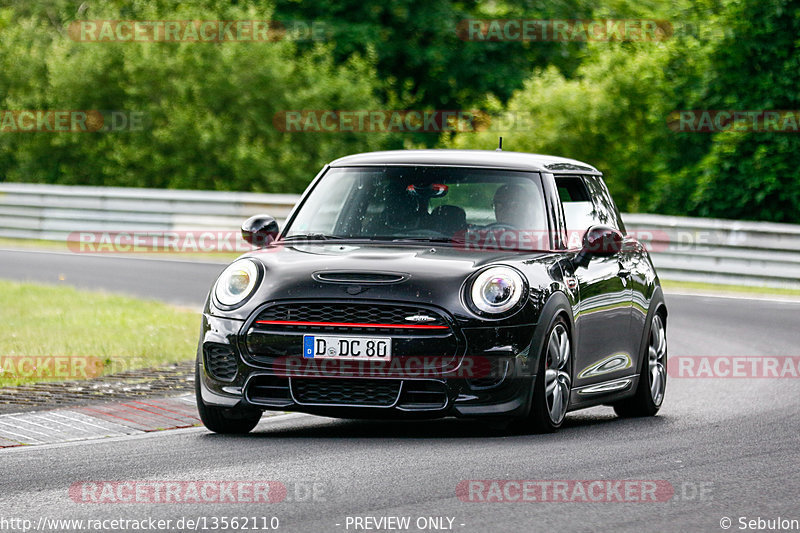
(424, 273)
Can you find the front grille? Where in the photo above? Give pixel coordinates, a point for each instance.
(220, 361)
(349, 317)
(353, 392)
(278, 330)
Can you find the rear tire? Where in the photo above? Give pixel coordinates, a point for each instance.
(221, 420)
(653, 376)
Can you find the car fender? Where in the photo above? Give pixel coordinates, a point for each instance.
(557, 304)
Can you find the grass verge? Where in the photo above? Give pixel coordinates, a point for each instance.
(60, 333)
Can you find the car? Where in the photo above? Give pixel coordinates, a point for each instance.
(437, 283)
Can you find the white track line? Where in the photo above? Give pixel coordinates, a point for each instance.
(145, 435)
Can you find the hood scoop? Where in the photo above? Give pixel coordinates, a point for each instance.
(349, 276)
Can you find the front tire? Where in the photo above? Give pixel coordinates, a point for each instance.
(553, 384)
(221, 420)
(653, 376)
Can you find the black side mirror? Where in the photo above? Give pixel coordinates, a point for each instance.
(260, 230)
(601, 241)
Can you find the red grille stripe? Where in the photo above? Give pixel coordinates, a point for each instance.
(348, 324)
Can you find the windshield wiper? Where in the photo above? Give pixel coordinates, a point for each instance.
(428, 239)
(312, 237)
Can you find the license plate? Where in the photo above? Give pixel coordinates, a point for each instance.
(351, 348)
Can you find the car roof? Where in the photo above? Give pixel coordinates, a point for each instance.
(467, 158)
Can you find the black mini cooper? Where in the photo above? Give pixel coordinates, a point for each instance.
(433, 283)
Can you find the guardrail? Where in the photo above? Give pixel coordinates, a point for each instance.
(688, 249)
(721, 251)
(52, 212)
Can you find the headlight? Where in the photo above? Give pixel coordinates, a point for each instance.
(236, 282)
(497, 289)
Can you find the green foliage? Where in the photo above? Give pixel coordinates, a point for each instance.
(747, 175)
(210, 107)
(613, 112)
(605, 116)
(421, 58)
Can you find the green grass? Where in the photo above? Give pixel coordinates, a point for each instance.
(724, 288)
(61, 333)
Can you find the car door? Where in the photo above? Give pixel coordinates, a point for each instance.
(603, 346)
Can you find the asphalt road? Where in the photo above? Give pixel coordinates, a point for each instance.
(178, 282)
(728, 447)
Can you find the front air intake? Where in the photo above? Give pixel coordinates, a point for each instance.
(221, 361)
(346, 392)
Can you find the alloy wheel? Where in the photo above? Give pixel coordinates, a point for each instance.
(657, 354)
(557, 381)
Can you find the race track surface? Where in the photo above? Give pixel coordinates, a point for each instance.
(728, 447)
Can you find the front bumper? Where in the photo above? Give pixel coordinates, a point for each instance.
(492, 374)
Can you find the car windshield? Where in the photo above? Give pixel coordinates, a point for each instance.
(418, 203)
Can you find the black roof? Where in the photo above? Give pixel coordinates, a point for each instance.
(467, 158)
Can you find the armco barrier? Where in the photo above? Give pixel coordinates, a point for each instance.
(721, 251)
(34, 211)
(689, 249)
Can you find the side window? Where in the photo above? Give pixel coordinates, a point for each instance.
(578, 207)
(586, 202)
(605, 209)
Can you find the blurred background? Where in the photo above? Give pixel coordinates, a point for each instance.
(210, 107)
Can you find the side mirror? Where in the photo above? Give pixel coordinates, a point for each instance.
(601, 241)
(260, 230)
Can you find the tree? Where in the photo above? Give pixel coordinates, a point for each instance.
(749, 175)
(209, 106)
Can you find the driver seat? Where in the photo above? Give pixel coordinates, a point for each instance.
(448, 219)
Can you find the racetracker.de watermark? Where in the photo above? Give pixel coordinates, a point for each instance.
(66, 367)
(714, 120)
(403, 121)
(147, 241)
(381, 121)
(583, 491)
(563, 30)
(468, 367)
(565, 491)
(51, 366)
(196, 31)
(151, 492)
(470, 240)
(521, 240)
(71, 121)
(734, 367)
